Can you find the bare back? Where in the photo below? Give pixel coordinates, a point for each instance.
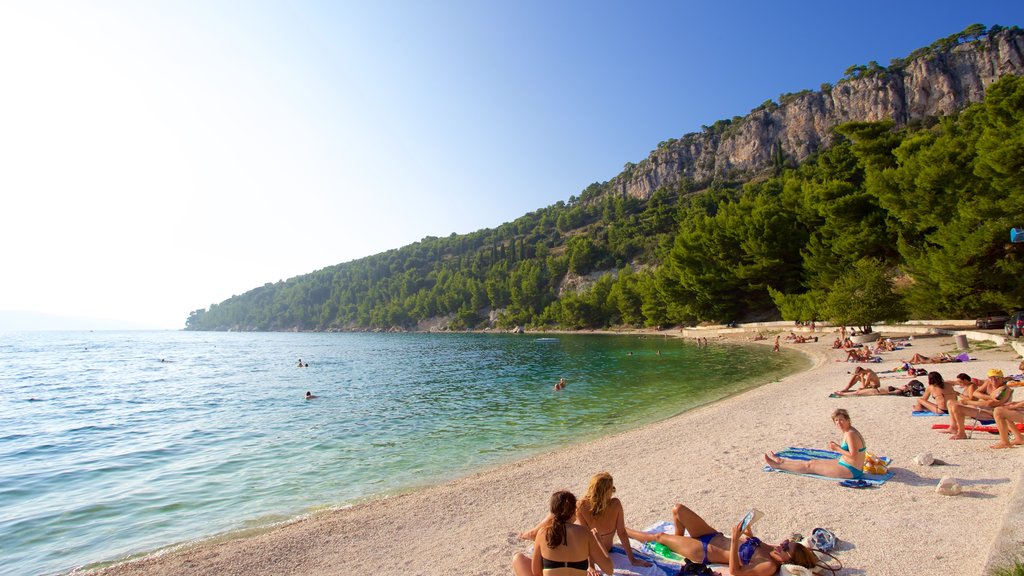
(605, 524)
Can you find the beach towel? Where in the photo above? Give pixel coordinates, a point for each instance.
(797, 453)
(623, 567)
(980, 428)
(926, 413)
(668, 565)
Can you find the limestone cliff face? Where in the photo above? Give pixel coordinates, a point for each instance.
(933, 85)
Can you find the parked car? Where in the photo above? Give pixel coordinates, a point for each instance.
(1015, 325)
(992, 320)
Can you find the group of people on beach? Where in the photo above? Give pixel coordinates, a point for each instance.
(989, 399)
(577, 536)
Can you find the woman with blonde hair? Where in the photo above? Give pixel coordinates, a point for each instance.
(851, 454)
(602, 513)
(562, 548)
(600, 510)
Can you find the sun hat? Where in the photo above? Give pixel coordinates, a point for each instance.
(995, 373)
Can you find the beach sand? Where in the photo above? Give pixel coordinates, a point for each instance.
(709, 459)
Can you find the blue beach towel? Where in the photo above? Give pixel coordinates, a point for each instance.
(930, 413)
(797, 453)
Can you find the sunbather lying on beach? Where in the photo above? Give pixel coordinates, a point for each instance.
(601, 511)
(562, 547)
(851, 460)
(940, 359)
(940, 392)
(858, 355)
(745, 554)
(887, 391)
(1005, 416)
(979, 403)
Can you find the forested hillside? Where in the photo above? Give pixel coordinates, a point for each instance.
(911, 218)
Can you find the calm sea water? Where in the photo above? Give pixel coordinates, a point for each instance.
(113, 444)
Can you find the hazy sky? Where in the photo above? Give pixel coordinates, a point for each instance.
(156, 157)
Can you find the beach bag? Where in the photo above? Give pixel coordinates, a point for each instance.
(872, 465)
(695, 569)
(916, 388)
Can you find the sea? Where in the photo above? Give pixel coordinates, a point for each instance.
(114, 444)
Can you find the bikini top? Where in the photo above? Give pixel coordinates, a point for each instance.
(579, 564)
(747, 549)
(845, 447)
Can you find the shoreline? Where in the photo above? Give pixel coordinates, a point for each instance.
(708, 458)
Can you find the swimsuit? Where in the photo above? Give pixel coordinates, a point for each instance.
(857, 473)
(747, 549)
(705, 540)
(549, 564)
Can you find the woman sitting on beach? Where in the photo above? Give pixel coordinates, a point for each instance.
(560, 547)
(939, 391)
(748, 556)
(851, 460)
(601, 511)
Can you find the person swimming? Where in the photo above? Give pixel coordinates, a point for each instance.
(310, 395)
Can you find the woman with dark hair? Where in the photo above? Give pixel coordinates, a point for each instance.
(560, 547)
(745, 554)
(601, 511)
(940, 392)
(851, 454)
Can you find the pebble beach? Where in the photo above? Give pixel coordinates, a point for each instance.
(709, 459)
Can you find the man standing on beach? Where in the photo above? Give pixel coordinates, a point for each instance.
(776, 347)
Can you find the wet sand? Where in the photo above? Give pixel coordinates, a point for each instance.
(711, 460)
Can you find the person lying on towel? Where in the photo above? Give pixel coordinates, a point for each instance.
(745, 554)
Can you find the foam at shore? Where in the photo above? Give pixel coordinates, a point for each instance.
(711, 460)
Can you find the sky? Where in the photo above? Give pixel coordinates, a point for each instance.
(157, 157)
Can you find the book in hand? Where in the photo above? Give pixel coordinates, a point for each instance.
(752, 516)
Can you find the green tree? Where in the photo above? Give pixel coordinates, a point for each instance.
(863, 296)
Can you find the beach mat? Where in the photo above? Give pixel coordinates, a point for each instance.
(982, 428)
(926, 413)
(798, 453)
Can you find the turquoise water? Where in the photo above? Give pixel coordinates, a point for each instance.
(113, 444)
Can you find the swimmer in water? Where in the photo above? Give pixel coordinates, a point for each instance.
(560, 385)
(310, 395)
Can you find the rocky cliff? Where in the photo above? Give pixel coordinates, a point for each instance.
(931, 82)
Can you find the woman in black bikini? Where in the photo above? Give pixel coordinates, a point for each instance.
(746, 557)
(562, 548)
(939, 391)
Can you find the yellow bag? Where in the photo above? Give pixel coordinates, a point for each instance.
(874, 465)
